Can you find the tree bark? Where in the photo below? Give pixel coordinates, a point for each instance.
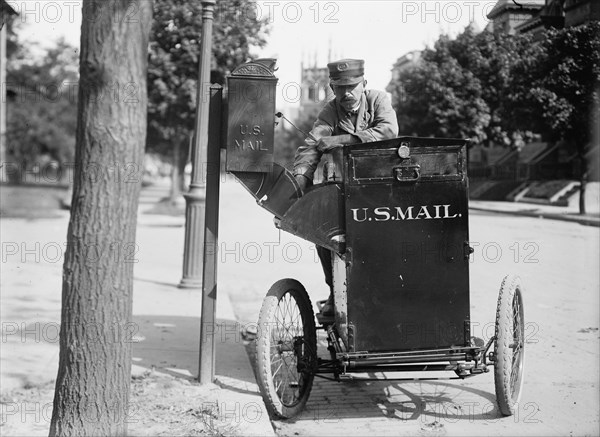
(175, 172)
(92, 386)
(184, 158)
(582, 183)
(179, 161)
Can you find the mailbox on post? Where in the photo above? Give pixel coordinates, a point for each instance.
(251, 117)
(251, 91)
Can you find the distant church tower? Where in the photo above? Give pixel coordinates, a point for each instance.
(314, 84)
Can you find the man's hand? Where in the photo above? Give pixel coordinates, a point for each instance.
(302, 182)
(327, 144)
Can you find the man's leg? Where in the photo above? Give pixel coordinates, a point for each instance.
(325, 257)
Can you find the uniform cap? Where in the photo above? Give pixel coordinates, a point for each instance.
(346, 71)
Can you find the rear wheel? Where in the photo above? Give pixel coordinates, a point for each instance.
(286, 348)
(509, 347)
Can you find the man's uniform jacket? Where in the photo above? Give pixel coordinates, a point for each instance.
(375, 120)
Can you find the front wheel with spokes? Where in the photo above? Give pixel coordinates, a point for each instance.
(286, 348)
(509, 347)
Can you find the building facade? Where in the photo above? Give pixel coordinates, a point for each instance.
(507, 15)
(534, 16)
(315, 90)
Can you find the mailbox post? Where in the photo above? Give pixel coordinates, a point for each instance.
(250, 145)
(197, 217)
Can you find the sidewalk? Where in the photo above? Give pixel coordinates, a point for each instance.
(564, 213)
(165, 331)
(169, 322)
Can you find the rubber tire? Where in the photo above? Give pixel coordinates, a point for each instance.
(268, 319)
(510, 337)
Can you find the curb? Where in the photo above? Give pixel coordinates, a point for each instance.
(257, 423)
(585, 221)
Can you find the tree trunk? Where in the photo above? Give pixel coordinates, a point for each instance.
(180, 159)
(184, 158)
(582, 184)
(92, 385)
(175, 172)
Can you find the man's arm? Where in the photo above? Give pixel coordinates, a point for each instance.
(327, 144)
(308, 156)
(304, 174)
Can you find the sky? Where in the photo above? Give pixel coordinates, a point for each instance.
(378, 31)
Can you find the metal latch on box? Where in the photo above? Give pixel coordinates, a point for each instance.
(407, 173)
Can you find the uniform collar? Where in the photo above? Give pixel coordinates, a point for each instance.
(346, 121)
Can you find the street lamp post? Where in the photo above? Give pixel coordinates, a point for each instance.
(195, 197)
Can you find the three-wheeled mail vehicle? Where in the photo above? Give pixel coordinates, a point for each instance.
(395, 216)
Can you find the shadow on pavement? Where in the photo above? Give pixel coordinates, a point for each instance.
(161, 283)
(408, 401)
(380, 396)
(170, 344)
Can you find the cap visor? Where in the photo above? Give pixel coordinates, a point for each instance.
(347, 80)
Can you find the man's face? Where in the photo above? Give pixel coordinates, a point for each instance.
(348, 96)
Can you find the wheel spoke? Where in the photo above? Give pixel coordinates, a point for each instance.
(283, 385)
(278, 368)
(287, 327)
(288, 380)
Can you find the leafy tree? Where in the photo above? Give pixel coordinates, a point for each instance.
(439, 98)
(491, 56)
(458, 88)
(501, 88)
(42, 105)
(556, 90)
(173, 66)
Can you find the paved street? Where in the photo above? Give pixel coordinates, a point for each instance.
(558, 264)
(557, 261)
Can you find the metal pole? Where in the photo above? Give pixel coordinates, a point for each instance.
(195, 208)
(206, 371)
